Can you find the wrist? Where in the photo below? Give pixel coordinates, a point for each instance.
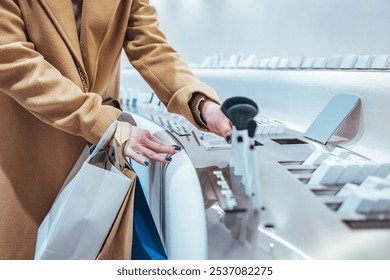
(196, 103)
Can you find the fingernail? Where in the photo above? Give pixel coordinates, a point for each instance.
(228, 138)
(177, 148)
(146, 163)
(168, 158)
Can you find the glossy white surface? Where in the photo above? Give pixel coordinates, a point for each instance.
(177, 206)
(185, 221)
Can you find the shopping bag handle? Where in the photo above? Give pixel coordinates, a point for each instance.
(128, 164)
(121, 160)
(107, 135)
(120, 148)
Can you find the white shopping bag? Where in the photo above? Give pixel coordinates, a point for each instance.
(84, 211)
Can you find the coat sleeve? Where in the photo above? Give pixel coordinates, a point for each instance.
(41, 89)
(159, 64)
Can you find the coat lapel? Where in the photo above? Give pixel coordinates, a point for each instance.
(61, 13)
(97, 15)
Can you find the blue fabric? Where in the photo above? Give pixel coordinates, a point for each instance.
(147, 244)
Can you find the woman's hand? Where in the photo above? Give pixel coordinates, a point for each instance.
(216, 120)
(141, 143)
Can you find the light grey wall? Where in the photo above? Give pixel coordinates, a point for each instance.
(286, 28)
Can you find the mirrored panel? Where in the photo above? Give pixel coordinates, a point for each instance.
(331, 117)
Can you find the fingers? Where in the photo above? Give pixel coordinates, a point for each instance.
(159, 146)
(222, 127)
(226, 133)
(138, 154)
(143, 145)
(137, 157)
(216, 120)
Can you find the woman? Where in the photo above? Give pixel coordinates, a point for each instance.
(58, 61)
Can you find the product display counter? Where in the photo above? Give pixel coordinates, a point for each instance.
(319, 199)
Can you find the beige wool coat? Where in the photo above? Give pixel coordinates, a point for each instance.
(46, 117)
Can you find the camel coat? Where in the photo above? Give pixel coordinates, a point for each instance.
(47, 112)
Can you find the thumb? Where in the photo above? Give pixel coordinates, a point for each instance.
(225, 129)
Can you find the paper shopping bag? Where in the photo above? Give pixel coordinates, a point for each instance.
(119, 241)
(83, 214)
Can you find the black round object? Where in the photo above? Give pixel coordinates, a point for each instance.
(240, 114)
(228, 103)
